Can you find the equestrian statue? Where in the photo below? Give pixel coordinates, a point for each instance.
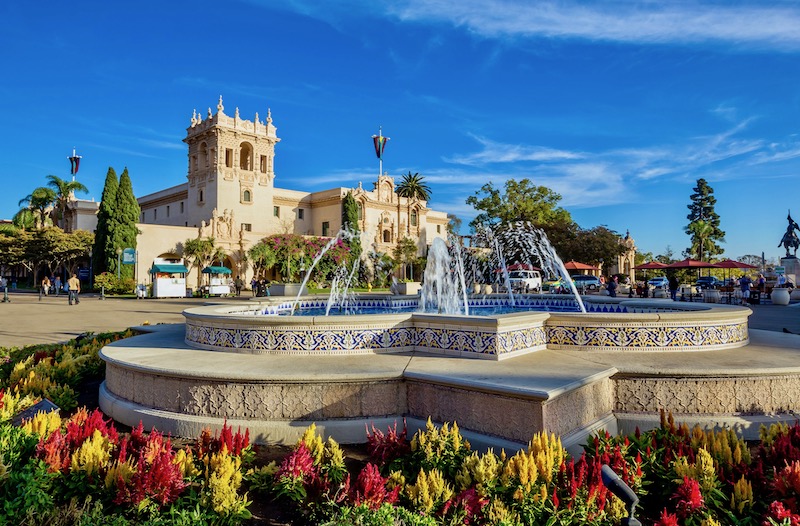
(790, 239)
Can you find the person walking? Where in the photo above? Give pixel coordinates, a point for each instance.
(238, 284)
(254, 285)
(57, 285)
(673, 288)
(613, 283)
(45, 287)
(744, 286)
(74, 285)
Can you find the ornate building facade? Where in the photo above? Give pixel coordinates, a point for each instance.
(230, 195)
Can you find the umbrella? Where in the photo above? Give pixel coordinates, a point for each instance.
(216, 270)
(731, 264)
(575, 265)
(650, 265)
(692, 263)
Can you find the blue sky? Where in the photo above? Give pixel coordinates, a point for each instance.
(618, 106)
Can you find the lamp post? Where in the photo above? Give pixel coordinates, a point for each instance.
(91, 270)
(119, 255)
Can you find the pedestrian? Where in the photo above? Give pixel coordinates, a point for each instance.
(57, 283)
(45, 286)
(74, 285)
(613, 283)
(673, 287)
(744, 286)
(238, 285)
(254, 285)
(762, 284)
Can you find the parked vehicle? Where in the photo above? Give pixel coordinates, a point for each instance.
(554, 286)
(661, 282)
(525, 280)
(708, 282)
(586, 282)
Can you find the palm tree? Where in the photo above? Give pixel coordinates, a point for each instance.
(65, 192)
(413, 186)
(39, 202)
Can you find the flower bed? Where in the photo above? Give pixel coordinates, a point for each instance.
(82, 470)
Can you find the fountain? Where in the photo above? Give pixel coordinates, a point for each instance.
(611, 365)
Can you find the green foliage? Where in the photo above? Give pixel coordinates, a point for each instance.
(413, 186)
(200, 253)
(123, 229)
(262, 256)
(386, 515)
(521, 201)
(703, 227)
(350, 223)
(104, 254)
(113, 285)
(405, 252)
(38, 203)
(64, 191)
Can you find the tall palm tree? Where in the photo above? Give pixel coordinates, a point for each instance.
(65, 192)
(39, 202)
(413, 186)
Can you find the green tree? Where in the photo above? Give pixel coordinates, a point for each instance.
(65, 192)
(703, 227)
(39, 203)
(521, 201)
(453, 224)
(200, 252)
(262, 256)
(350, 223)
(405, 252)
(413, 187)
(123, 229)
(104, 254)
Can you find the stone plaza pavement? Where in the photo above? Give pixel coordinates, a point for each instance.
(27, 320)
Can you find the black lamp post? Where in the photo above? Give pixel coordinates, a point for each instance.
(91, 270)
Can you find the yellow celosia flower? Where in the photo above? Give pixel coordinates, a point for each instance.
(710, 521)
(431, 490)
(93, 455)
(742, 497)
(703, 470)
(118, 469)
(479, 470)
(3, 470)
(223, 479)
(43, 424)
(185, 459)
(395, 479)
(313, 442)
(13, 403)
(768, 434)
(333, 455)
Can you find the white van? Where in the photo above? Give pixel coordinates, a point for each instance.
(525, 280)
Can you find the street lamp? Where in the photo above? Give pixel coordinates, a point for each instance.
(119, 254)
(91, 269)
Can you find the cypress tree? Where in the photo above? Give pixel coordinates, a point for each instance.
(703, 227)
(350, 222)
(126, 215)
(108, 203)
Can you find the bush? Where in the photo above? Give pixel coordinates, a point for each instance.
(113, 285)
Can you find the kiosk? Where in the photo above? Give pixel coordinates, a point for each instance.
(169, 278)
(219, 283)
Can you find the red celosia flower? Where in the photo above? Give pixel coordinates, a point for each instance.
(778, 513)
(471, 502)
(298, 464)
(385, 447)
(82, 425)
(233, 443)
(667, 519)
(370, 489)
(160, 480)
(689, 497)
(54, 450)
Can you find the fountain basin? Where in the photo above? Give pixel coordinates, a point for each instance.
(611, 326)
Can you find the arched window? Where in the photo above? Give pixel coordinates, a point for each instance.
(360, 211)
(387, 236)
(246, 196)
(246, 156)
(413, 218)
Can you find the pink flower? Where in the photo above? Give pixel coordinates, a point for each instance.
(667, 519)
(689, 497)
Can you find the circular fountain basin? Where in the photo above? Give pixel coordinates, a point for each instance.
(622, 325)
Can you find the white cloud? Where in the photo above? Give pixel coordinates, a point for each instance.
(494, 152)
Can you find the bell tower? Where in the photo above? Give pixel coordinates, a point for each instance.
(230, 166)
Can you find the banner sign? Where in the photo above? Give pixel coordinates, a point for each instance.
(129, 256)
(780, 270)
(74, 163)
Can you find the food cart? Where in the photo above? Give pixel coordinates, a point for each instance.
(169, 278)
(219, 281)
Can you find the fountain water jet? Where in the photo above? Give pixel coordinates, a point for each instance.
(444, 289)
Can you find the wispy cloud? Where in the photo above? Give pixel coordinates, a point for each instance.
(742, 24)
(494, 152)
(772, 25)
